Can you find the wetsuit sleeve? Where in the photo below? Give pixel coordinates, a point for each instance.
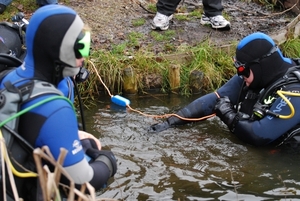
(102, 175)
(204, 105)
(97, 173)
(231, 89)
(270, 128)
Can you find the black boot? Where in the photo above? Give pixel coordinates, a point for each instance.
(2, 8)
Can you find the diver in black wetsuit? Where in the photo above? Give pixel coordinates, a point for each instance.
(261, 104)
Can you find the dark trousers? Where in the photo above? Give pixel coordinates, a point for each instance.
(211, 7)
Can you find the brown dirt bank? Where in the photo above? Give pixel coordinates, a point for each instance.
(111, 22)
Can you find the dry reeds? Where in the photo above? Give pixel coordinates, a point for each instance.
(49, 181)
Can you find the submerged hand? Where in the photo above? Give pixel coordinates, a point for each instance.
(156, 128)
(224, 110)
(84, 135)
(223, 106)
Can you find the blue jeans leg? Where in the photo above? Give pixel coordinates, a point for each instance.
(5, 2)
(46, 2)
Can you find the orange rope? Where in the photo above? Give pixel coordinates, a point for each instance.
(95, 69)
(149, 115)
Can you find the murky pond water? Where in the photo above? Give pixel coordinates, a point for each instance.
(202, 161)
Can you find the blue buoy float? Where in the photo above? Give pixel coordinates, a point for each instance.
(119, 100)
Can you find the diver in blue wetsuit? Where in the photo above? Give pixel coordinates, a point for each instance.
(261, 104)
(56, 42)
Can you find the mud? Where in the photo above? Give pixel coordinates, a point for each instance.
(111, 22)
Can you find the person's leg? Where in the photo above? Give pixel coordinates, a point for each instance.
(52, 1)
(213, 15)
(212, 7)
(4, 4)
(46, 2)
(165, 11)
(167, 7)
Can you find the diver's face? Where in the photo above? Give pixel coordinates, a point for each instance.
(249, 80)
(79, 62)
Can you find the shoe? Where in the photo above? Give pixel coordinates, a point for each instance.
(216, 22)
(161, 21)
(2, 8)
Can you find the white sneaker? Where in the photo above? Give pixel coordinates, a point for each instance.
(161, 21)
(216, 22)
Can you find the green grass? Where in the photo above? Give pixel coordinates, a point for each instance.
(163, 36)
(25, 6)
(197, 13)
(152, 7)
(138, 22)
(134, 39)
(291, 48)
(182, 17)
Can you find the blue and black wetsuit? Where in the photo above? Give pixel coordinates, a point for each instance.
(66, 86)
(51, 39)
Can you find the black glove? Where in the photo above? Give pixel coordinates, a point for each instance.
(171, 121)
(224, 110)
(104, 156)
(156, 128)
(88, 143)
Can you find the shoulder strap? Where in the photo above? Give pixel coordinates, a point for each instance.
(9, 60)
(7, 64)
(37, 88)
(11, 98)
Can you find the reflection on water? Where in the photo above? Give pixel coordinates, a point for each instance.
(202, 161)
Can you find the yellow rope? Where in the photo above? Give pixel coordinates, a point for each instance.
(7, 160)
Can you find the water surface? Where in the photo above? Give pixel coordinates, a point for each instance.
(200, 161)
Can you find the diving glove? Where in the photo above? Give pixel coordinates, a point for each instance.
(170, 122)
(88, 143)
(156, 128)
(224, 110)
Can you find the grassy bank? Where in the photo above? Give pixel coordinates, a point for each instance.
(214, 62)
